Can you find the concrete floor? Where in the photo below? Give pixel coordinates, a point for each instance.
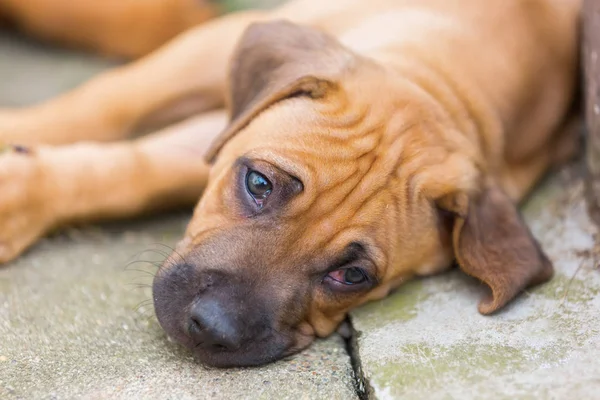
(74, 322)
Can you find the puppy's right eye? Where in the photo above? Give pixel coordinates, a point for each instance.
(349, 276)
(258, 186)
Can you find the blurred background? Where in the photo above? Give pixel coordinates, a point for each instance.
(50, 46)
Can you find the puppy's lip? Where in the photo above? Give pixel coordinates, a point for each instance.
(255, 353)
(226, 360)
(251, 355)
(261, 350)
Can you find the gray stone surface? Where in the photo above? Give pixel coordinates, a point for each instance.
(30, 72)
(75, 316)
(427, 341)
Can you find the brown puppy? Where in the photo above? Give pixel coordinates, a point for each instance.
(368, 143)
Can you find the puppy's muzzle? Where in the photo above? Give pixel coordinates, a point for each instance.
(222, 318)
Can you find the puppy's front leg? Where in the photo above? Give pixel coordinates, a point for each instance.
(46, 187)
(185, 77)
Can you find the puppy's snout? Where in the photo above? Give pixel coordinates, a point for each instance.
(225, 318)
(213, 328)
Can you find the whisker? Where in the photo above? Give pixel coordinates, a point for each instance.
(149, 317)
(165, 246)
(147, 301)
(151, 262)
(140, 308)
(126, 267)
(160, 252)
(152, 274)
(144, 320)
(173, 251)
(156, 263)
(140, 253)
(136, 285)
(165, 258)
(144, 311)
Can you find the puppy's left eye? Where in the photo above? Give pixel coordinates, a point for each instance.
(349, 276)
(258, 186)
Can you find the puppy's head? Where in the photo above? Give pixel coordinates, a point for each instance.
(333, 184)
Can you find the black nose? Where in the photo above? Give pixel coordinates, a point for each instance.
(212, 327)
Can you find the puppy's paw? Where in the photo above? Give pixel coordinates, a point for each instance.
(25, 198)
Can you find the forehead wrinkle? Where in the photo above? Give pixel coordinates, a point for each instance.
(333, 143)
(361, 190)
(348, 165)
(348, 154)
(345, 115)
(346, 125)
(334, 148)
(323, 145)
(328, 245)
(332, 195)
(377, 176)
(356, 200)
(353, 229)
(308, 143)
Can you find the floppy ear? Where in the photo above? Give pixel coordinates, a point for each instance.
(493, 244)
(275, 61)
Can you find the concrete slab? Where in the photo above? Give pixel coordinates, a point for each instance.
(428, 341)
(31, 72)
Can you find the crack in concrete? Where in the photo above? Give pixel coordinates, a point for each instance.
(362, 387)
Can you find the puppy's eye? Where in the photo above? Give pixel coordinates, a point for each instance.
(349, 276)
(258, 185)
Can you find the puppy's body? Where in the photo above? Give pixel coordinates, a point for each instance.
(123, 28)
(384, 140)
